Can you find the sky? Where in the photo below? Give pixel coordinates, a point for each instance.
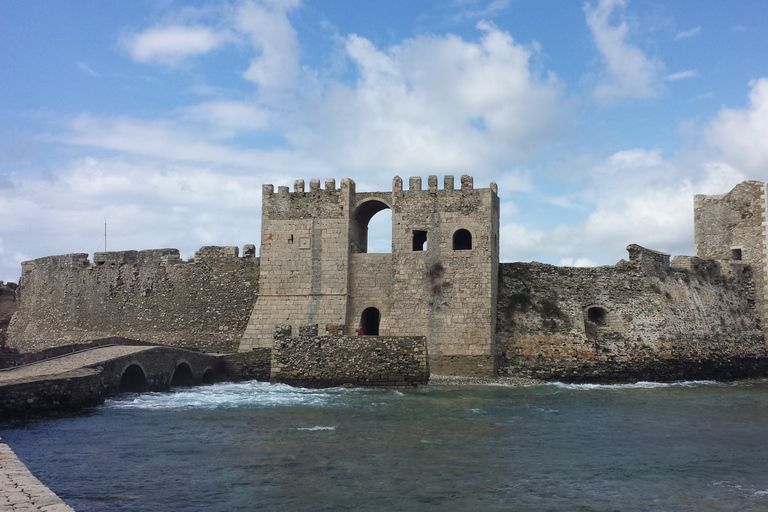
(598, 120)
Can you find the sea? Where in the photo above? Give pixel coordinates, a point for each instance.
(687, 446)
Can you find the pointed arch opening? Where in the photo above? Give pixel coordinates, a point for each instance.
(369, 321)
(371, 228)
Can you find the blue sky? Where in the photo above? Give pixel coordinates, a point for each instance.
(599, 120)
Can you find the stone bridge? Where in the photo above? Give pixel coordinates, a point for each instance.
(86, 378)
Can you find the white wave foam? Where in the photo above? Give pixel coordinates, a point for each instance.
(639, 385)
(316, 428)
(230, 395)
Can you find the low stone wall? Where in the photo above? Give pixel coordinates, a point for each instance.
(639, 320)
(251, 365)
(310, 360)
(466, 366)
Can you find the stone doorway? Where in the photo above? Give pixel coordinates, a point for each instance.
(369, 321)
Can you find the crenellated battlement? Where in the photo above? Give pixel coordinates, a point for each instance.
(145, 258)
(466, 182)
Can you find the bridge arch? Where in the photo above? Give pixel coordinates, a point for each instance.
(182, 375)
(209, 376)
(133, 379)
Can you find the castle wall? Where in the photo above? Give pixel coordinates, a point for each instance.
(696, 319)
(150, 295)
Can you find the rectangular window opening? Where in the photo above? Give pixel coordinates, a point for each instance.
(419, 240)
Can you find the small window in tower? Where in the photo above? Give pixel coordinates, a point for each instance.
(462, 240)
(736, 253)
(419, 240)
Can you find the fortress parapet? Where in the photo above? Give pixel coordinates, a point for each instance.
(146, 257)
(648, 259)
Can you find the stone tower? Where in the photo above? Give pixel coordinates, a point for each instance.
(732, 228)
(440, 281)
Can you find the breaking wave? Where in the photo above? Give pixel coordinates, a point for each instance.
(229, 395)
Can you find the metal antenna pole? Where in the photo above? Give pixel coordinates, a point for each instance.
(105, 234)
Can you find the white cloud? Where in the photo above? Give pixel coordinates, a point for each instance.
(687, 33)
(473, 10)
(85, 67)
(273, 36)
(439, 104)
(227, 117)
(514, 181)
(631, 74)
(680, 75)
(741, 134)
(172, 141)
(561, 201)
(578, 262)
(169, 45)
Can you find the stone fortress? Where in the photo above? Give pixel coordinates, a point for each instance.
(440, 303)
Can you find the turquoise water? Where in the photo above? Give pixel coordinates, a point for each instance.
(255, 446)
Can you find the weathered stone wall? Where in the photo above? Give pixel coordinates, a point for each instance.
(253, 365)
(311, 360)
(370, 285)
(8, 307)
(304, 259)
(631, 321)
(147, 295)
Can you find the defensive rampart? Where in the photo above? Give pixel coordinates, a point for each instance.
(150, 295)
(637, 320)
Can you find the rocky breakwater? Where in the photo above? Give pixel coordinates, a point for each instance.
(642, 319)
(313, 360)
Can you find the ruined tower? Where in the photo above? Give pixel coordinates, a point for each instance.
(732, 228)
(440, 281)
